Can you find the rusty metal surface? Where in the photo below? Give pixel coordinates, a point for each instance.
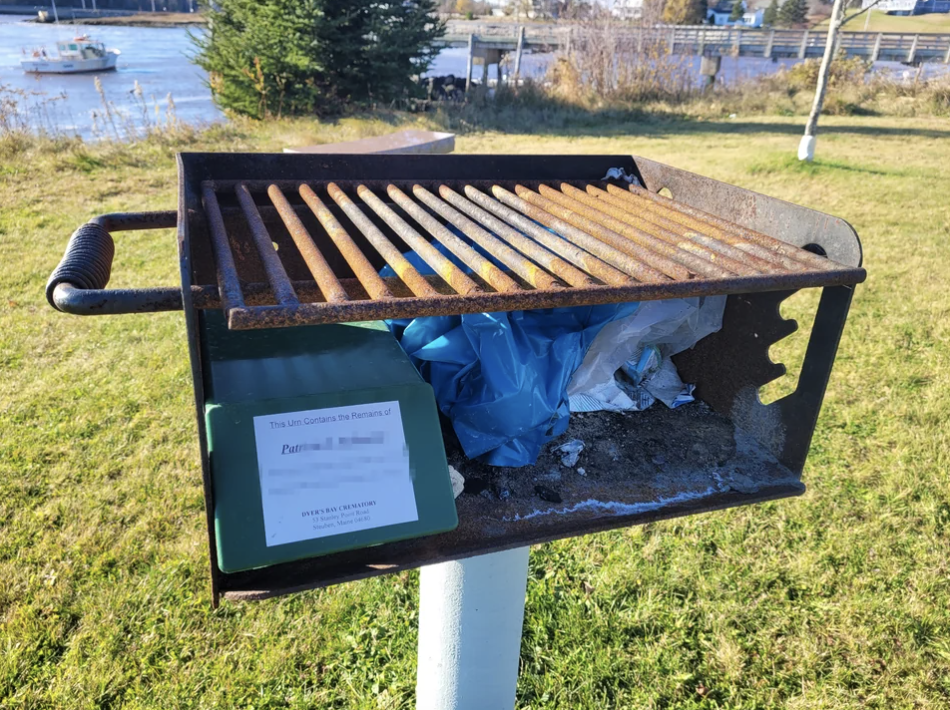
(381, 243)
(356, 260)
(553, 242)
(729, 245)
(458, 212)
(611, 265)
(665, 256)
(532, 240)
(229, 287)
(586, 245)
(316, 262)
(570, 243)
(710, 249)
(475, 261)
(273, 266)
(783, 225)
(671, 208)
(436, 260)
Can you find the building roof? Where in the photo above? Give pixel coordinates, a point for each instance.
(722, 7)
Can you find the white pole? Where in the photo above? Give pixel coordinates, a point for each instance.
(470, 616)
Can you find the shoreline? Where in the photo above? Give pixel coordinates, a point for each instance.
(144, 19)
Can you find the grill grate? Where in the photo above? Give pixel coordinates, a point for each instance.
(525, 245)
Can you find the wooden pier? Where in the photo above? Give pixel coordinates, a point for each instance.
(489, 43)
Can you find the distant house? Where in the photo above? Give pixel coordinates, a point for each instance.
(629, 9)
(719, 13)
(909, 7)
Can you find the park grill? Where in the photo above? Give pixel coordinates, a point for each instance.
(620, 243)
(294, 241)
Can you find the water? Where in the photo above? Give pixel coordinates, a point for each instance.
(157, 57)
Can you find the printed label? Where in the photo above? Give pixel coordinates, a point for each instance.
(332, 471)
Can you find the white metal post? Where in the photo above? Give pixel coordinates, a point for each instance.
(470, 616)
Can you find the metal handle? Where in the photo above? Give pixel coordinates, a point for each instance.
(78, 284)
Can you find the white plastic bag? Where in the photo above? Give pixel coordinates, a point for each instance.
(620, 371)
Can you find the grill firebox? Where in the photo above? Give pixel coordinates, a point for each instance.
(275, 241)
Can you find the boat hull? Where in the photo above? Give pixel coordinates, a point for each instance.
(71, 66)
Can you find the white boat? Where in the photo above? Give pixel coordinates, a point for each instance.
(80, 55)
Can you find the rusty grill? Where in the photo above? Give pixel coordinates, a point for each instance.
(299, 240)
(525, 245)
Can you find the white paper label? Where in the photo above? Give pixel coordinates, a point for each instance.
(333, 471)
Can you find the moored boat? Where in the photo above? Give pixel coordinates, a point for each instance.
(78, 55)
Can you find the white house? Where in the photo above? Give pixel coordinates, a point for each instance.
(627, 9)
(719, 13)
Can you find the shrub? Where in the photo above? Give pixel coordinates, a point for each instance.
(271, 57)
(844, 70)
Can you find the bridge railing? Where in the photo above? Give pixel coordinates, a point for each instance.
(894, 46)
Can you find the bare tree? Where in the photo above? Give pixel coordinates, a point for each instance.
(806, 148)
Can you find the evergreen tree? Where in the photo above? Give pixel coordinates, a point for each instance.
(771, 14)
(793, 12)
(737, 11)
(268, 57)
(684, 12)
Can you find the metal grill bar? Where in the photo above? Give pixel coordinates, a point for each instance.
(390, 253)
(479, 264)
(355, 259)
(524, 245)
(557, 217)
(604, 251)
(730, 246)
(545, 258)
(273, 267)
(619, 233)
(602, 269)
(701, 218)
(690, 241)
(228, 284)
(432, 256)
(314, 259)
(509, 257)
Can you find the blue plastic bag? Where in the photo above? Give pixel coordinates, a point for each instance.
(501, 378)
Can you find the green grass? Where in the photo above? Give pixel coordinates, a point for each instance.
(938, 23)
(839, 599)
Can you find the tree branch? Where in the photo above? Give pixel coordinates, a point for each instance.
(846, 20)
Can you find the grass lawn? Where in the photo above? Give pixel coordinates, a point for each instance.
(880, 22)
(838, 599)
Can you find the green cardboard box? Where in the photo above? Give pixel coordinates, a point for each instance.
(321, 439)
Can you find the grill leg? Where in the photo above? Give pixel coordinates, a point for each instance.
(470, 616)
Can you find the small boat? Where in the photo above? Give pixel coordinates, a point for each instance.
(80, 55)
